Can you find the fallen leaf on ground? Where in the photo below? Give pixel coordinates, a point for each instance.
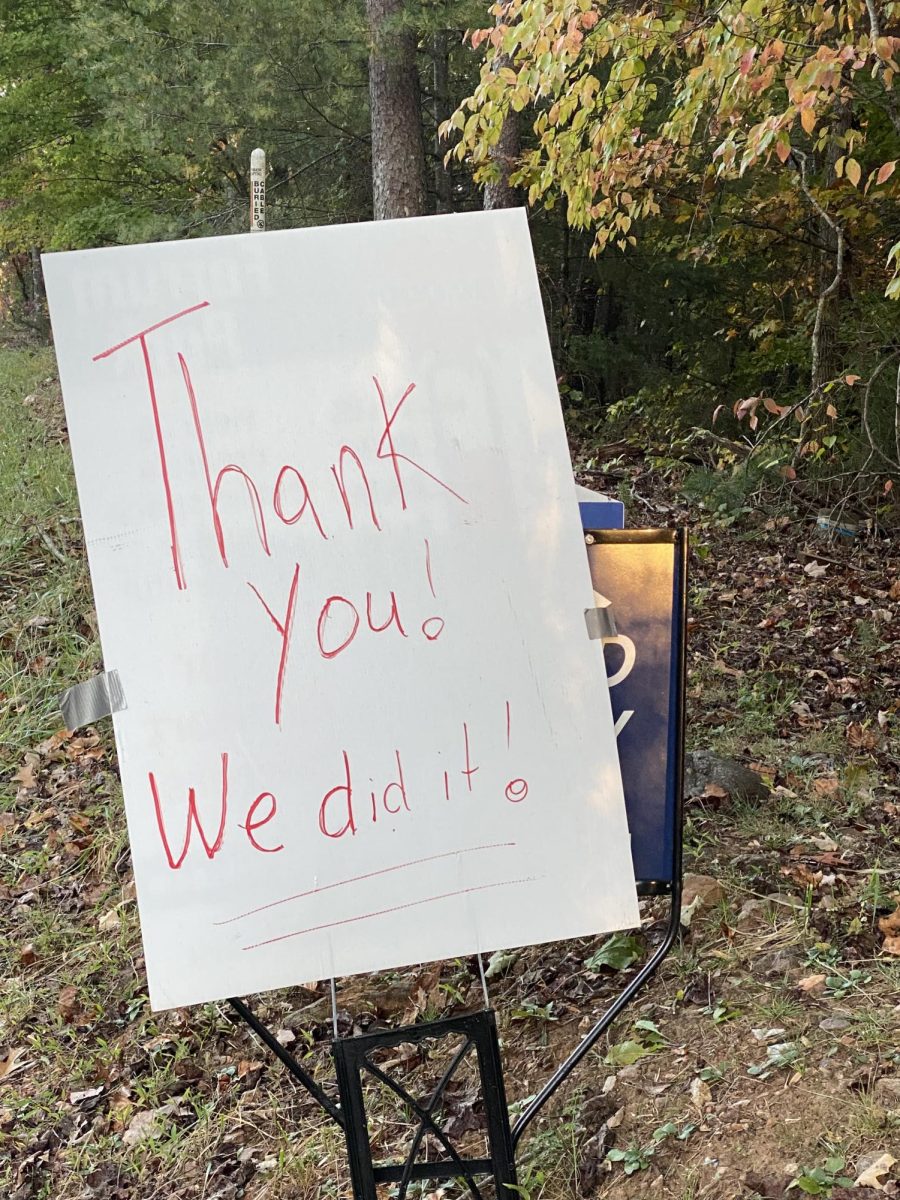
(871, 1176)
(623, 1054)
(891, 945)
(701, 1096)
(8, 1064)
(890, 926)
(151, 1124)
(68, 1005)
(811, 983)
(143, 1125)
(25, 775)
(109, 921)
(861, 738)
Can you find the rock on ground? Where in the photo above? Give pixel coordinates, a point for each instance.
(702, 768)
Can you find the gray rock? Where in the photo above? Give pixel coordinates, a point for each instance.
(886, 1093)
(776, 964)
(753, 912)
(702, 768)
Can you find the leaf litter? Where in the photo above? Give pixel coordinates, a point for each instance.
(184, 1104)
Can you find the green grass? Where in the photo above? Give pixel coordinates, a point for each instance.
(47, 626)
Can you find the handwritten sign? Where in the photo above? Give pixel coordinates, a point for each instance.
(339, 568)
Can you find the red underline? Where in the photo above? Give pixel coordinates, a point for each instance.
(143, 333)
(327, 887)
(382, 912)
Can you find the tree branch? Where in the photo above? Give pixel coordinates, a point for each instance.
(895, 465)
(873, 19)
(825, 295)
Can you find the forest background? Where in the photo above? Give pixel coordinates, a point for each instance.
(712, 187)
(712, 193)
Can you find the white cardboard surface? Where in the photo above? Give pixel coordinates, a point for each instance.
(478, 555)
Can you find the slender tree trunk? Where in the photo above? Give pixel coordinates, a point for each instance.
(440, 52)
(832, 265)
(18, 263)
(500, 193)
(398, 148)
(37, 282)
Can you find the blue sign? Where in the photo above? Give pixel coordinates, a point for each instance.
(641, 572)
(599, 511)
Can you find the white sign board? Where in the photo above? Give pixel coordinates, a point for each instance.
(338, 566)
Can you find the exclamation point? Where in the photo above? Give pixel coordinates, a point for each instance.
(432, 627)
(516, 789)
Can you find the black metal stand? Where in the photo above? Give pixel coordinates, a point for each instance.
(354, 1059)
(303, 1077)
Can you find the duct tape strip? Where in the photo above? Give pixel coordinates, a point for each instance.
(600, 621)
(90, 701)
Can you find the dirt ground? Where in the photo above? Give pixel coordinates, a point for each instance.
(765, 1055)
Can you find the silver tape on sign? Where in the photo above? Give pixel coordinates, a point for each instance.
(600, 623)
(91, 701)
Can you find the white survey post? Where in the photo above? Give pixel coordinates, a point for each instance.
(339, 569)
(257, 191)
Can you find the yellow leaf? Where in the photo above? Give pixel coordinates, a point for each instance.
(853, 171)
(8, 1064)
(808, 120)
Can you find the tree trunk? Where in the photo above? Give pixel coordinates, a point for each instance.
(37, 282)
(500, 194)
(398, 148)
(440, 51)
(832, 264)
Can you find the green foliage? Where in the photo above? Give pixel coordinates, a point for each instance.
(648, 1040)
(741, 156)
(633, 101)
(128, 122)
(820, 1180)
(637, 1158)
(619, 951)
(778, 1055)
